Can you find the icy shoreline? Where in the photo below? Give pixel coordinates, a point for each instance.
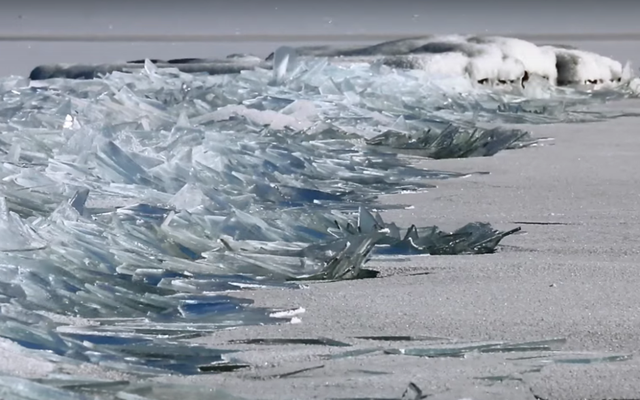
(206, 184)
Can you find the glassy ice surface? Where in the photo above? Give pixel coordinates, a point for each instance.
(137, 200)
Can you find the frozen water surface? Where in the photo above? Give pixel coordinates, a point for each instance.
(137, 200)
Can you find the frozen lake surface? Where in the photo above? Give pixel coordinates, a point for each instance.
(552, 314)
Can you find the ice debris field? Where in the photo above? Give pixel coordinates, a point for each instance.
(135, 200)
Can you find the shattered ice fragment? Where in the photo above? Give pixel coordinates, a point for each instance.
(283, 62)
(287, 313)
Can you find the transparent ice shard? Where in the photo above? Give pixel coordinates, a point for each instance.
(461, 351)
(281, 341)
(15, 235)
(578, 358)
(474, 238)
(283, 62)
(352, 353)
(399, 338)
(69, 387)
(12, 388)
(452, 142)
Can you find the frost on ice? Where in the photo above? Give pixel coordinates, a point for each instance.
(492, 61)
(135, 201)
